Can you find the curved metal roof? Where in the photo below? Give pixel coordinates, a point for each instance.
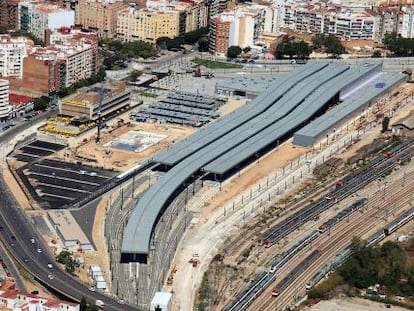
(198, 140)
(317, 97)
(223, 136)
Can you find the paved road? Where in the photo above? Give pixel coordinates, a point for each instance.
(16, 231)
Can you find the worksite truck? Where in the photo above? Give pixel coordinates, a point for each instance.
(99, 303)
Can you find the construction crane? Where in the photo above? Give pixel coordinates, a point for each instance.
(101, 92)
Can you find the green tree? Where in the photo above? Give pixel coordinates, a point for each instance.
(65, 257)
(203, 45)
(234, 51)
(376, 54)
(333, 45)
(318, 41)
(303, 49)
(291, 48)
(385, 124)
(41, 103)
(134, 75)
(83, 304)
(247, 49)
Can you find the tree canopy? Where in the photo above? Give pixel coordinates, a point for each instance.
(328, 43)
(67, 259)
(292, 47)
(387, 265)
(234, 51)
(133, 49)
(398, 45)
(41, 103)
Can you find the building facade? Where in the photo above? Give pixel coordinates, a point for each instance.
(4, 100)
(48, 16)
(149, 24)
(219, 31)
(9, 13)
(12, 52)
(84, 104)
(99, 16)
(50, 69)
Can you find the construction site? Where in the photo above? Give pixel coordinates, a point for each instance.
(191, 212)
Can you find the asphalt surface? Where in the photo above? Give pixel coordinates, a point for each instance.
(55, 183)
(16, 231)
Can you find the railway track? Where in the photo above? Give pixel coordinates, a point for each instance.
(377, 168)
(329, 247)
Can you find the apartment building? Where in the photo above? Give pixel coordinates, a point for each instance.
(330, 19)
(99, 16)
(9, 13)
(4, 100)
(49, 16)
(50, 69)
(407, 23)
(219, 31)
(36, 18)
(17, 300)
(149, 24)
(216, 7)
(12, 52)
(198, 14)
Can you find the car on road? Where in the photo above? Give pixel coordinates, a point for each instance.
(25, 260)
(32, 240)
(39, 250)
(92, 289)
(49, 265)
(50, 276)
(121, 301)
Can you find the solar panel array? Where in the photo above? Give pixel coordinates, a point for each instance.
(181, 108)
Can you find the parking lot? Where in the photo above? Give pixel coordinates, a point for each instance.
(36, 150)
(54, 183)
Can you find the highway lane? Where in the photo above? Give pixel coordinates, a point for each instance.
(17, 232)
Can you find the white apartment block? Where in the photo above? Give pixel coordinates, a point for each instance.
(407, 25)
(36, 18)
(4, 100)
(336, 20)
(354, 26)
(12, 52)
(78, 59)
(273, 18)
(242, 29)
(48, 16)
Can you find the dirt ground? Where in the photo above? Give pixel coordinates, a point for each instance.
(351, 304)
(121, 160)
(251, 176)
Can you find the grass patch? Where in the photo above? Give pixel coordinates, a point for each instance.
(214, 64)
(148, 94)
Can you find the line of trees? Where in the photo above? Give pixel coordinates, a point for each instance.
(398, 45)
(198, 36)
(387, 265)
(293, 48)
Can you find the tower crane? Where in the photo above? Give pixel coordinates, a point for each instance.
(101, 92)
